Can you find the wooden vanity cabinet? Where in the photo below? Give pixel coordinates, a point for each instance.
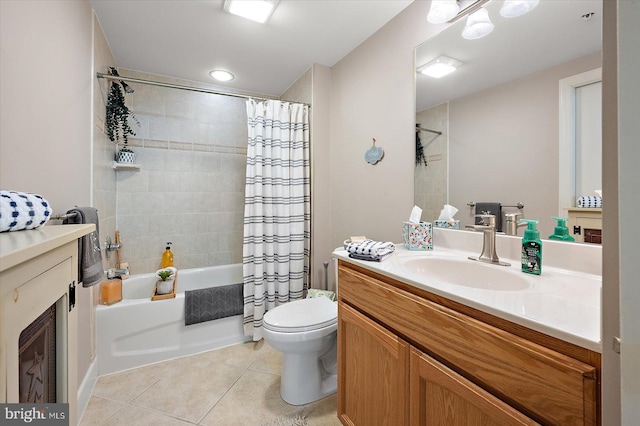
(464, 367)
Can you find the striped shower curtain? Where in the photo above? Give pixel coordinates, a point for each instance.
(277, 215)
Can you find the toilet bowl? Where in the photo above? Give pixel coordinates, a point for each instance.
(305, 331)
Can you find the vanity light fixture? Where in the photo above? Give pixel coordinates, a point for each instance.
(478, 25)
(442, 11)
(256, 10)
(221, 75)
(515, 8)
(439, 67)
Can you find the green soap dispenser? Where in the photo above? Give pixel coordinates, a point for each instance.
(531, 249)
(561, 232)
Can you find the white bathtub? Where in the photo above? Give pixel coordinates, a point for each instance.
(138, 331)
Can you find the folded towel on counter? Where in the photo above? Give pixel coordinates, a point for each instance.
(90, 271)
(21, 210)
(212, 303)
(589, 201)
(369, 250)
(490, 208)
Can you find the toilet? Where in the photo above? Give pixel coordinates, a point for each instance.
(305, 331)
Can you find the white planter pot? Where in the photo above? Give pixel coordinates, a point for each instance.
(126, 157)
(164, 287)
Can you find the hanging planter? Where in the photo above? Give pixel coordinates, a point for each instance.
(117, 118)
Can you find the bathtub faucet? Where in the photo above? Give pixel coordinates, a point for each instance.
(112, 272)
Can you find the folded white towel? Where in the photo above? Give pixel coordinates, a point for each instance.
(21, 210)
(369, 250)
(589, 201)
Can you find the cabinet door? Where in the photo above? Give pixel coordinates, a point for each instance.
(441, 397)
(373, 385)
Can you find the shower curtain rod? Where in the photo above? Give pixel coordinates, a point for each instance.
(190, 88)
(428, 130)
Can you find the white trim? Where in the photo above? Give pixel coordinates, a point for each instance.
(86, 387)
(566, 140)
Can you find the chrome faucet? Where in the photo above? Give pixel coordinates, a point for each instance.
(512, 223)
(488, 228)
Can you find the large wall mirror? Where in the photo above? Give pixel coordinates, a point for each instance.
(490, 131)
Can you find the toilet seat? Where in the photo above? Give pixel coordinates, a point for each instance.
(302, 316)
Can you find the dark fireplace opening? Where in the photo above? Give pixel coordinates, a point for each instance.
(37, 359)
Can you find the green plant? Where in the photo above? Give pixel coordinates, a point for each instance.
(165, 274)
(117, 113)
(126, 149)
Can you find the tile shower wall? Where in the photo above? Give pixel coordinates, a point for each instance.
(431, 181)
(191, 149)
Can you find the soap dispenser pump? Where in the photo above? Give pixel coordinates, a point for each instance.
(531, 249)
(561, 232)
(167, 256)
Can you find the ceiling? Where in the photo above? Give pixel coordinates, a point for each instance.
(552, 33)
(188, 38)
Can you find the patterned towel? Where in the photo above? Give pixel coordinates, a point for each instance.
(21, 210)
(90, 270)
(592, 201)
(369, 250)
(211, 303)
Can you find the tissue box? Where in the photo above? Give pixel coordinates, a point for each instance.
(452, 224)
(417, 236)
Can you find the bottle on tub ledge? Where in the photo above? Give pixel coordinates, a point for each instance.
(531, 248)
(167, 256)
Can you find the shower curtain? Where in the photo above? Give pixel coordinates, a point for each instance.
(277, 211)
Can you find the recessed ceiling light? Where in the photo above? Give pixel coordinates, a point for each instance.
(256, 10)
(221, 75)
(439, 67)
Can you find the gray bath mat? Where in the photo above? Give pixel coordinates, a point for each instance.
(212, 303)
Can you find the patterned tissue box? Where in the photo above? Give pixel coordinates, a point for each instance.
(417, 236)
(451, 224)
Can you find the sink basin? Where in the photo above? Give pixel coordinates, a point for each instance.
(467, 273)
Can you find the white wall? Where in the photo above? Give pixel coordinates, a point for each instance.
(45, 120)
(372, 96)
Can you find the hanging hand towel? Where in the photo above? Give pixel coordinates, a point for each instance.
(369, 250)
(90, 270)
(589, 201)
(490, 208)
(20, 210)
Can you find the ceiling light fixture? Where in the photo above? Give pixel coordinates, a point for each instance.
(478, 25)
(442, 11)
(256, 10)
(221, 75)
(515, 8)
(439, 67)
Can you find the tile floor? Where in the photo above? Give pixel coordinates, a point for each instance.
(238, 385)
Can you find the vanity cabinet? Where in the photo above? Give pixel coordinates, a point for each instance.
(463, 366)
(585, 225)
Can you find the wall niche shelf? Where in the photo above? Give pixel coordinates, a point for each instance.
(125, 166)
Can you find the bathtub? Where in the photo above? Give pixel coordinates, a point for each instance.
(138, 331)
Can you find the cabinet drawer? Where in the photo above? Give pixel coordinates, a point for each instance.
(548, 386)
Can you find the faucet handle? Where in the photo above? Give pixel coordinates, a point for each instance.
(487, 219)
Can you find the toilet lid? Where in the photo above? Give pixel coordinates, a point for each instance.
(302, 315)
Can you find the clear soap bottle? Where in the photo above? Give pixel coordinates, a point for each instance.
(167, 256)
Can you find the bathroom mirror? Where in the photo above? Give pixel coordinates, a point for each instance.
(498, 113)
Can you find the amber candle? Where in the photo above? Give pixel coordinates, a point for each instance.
(110, 291)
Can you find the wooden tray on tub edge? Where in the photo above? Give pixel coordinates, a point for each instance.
(171, 295)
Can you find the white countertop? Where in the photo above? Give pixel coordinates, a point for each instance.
(563, 303)
(19, 246)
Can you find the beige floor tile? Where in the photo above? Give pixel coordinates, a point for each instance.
(131, 415)
(129, 384)
(268, 360)
(98, 410)
(190, 390)
(240, 355)
(253, 400)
